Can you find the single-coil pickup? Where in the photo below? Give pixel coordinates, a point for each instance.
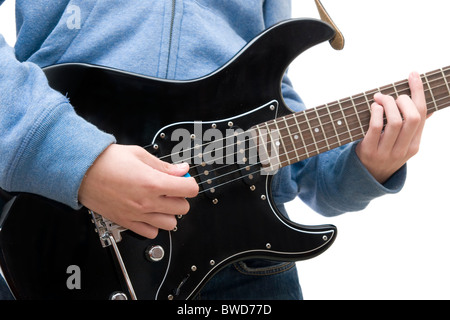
(250, 173)
(207, 176)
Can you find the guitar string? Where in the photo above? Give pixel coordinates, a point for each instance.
(349, 99)
(209, 181)
(305, 146)
(214, 187)
(325, 133)
(335, 104)
(350, 138)
(329, 146)
(339, 103)
(431, 106)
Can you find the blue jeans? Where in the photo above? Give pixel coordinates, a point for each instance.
(254, 280)
(244, 280)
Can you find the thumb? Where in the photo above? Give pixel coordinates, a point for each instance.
(179, 169)
(175, 169)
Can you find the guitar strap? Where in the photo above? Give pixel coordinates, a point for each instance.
(337, 42)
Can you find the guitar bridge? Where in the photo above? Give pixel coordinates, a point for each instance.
(106, 228)
(109, 234)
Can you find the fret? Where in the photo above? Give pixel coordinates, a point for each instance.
(401, 88)
(299, 145)
(274, 154)
(301, 136)
(395, 90)
(323, 130)
(382, 91)
(251, 156)
(291, 136)
(371, 93)
(445, 100)
(338, 117)
(369, 107)
(357, 116)
(301, 132)
(352, 119)
(431, 92)
(367, 100)
(387, 90)
(445, 80)
(362, 106)
(334, 126)
(345, 120)
(313, 131)
(439, 93)
(281, 142)
(316, 130)
(435, 90)
(330, 133)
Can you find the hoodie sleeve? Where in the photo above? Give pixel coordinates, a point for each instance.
(333, 183)
(45, 147)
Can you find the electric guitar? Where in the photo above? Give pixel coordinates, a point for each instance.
(44, 245)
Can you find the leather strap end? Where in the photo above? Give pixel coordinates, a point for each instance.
(338, 41)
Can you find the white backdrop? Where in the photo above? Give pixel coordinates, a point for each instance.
(397, 248)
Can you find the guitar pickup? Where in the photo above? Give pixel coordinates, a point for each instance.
(250, 173)
(208, 180)
(247, 157)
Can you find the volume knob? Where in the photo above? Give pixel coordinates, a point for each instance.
(155, 253)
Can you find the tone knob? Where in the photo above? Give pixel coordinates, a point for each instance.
(155, 253)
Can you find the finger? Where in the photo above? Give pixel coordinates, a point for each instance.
(411, 123)
(174, 186)
(372, 138)
(160, 220)
(418, 97)
(143, 229)
(175, 169)
(394, 121)
(179, 169)
(417, 93)
(171, 205)
(168, 178)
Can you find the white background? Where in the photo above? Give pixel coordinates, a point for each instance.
(398, 247)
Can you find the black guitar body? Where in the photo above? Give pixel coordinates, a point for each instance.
(42, 240)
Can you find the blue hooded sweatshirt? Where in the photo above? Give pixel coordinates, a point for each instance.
(46, 148)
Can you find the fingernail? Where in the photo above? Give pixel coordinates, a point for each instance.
(182, 165)
(415, 75)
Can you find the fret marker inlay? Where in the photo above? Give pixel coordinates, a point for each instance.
(310, 132)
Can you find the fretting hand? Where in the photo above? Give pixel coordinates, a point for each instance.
(383, 152)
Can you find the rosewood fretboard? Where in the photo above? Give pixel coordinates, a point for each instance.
(313, 131)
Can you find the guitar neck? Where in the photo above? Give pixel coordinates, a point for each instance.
(305, 134)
